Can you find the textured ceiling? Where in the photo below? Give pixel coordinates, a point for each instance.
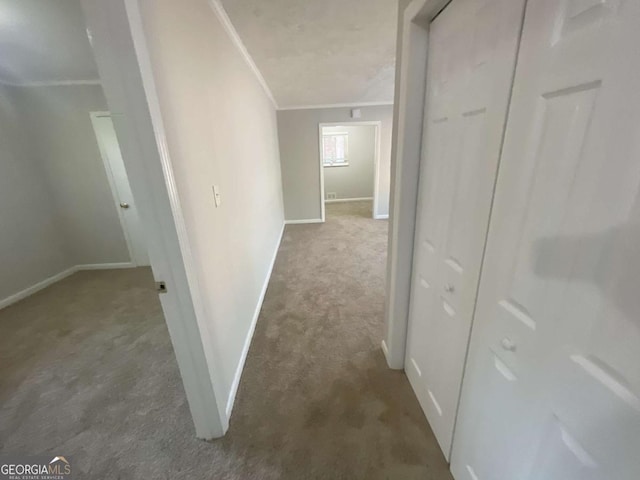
(314, 52)
(310, 52)
(44, 41)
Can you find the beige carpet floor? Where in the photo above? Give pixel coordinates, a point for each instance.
(87, 371)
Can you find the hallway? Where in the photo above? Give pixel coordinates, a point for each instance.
(316, 400)
(330, 408)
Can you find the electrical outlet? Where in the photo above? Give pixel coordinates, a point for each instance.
(332, 195)
(216, 196)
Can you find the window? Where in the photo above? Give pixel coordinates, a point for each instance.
(335, 149)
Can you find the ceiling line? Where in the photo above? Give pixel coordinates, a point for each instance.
(237, 41)
(51, 83)
(336, 105)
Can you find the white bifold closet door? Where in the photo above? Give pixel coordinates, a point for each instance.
(471, 62)
(552, 384)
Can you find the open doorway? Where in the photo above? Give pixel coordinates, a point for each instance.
(75, 222)
(349, 159)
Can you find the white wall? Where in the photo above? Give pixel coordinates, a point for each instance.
(299, 151)
(63, 140)
(220, 129)
(354, 180)
(32, 240)
(57, 209)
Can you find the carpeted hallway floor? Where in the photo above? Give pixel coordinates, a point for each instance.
(87, 371)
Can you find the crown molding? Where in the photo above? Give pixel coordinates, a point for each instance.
(52, 83)
(337, 105)
(237, 41)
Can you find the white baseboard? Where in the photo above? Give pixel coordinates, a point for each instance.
(381, 217)
(16, 297)
(385, 350)
(247, 342)
(304, 220)
(104, 266)
(339, 200)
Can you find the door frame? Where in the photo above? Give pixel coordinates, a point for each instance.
(133, 261)
(376, 161)
(406, 150)
(124, 65)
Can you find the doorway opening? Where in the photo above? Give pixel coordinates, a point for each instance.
(349, 164)
(73, 232)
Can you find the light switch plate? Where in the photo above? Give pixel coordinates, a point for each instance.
(216, 195)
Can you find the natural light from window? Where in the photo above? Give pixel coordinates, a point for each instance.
(335, 149)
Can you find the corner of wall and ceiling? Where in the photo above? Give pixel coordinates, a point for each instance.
(237, 41)
(50, 83)
(337, 105)
(221, 13)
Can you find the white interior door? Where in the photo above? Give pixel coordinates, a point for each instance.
(472, 52)
(552, 384)
(119, 182)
